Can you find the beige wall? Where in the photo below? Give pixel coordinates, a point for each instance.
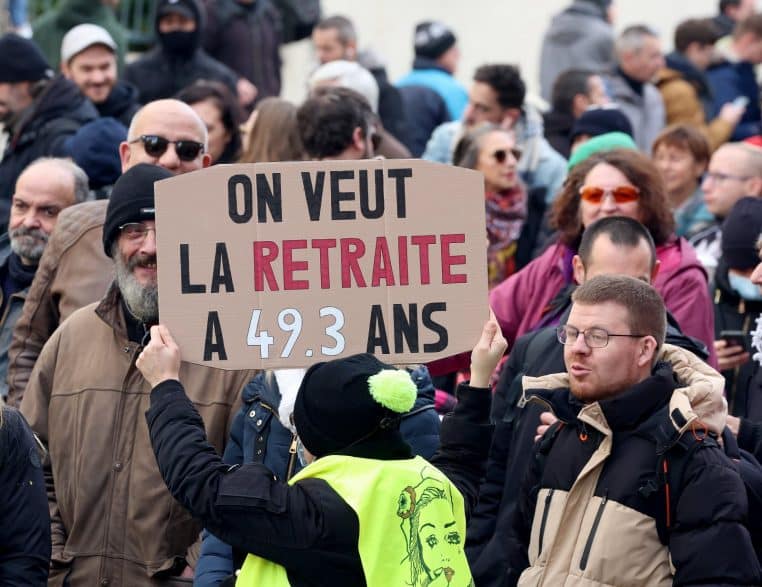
(488, 30)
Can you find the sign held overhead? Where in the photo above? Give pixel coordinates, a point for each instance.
(286, 264)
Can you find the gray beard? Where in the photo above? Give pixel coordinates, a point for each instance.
(142, 300)
(28, 243)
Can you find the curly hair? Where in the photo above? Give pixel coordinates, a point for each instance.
(506, 81)
(654, 210)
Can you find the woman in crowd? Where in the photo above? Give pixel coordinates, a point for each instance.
(222, 115)
(513, 217)
(613, 183)
(271, 133)
(681, 154)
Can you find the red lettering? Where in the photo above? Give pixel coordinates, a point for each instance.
(323, 244)
(449, 260)
(382, 264)
(423, 242)
(290, 265)
(402, 256)
(263, 265)
(351, 250)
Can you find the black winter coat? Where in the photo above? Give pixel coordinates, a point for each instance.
(25, 528)
(56, 114)
(425, 110)
(310, 530)
(558, 127)
(122, 103)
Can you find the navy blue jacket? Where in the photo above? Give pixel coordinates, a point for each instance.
(257, 436)
(729, 81)
(25, 528)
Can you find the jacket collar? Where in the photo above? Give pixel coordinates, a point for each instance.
(110, 311)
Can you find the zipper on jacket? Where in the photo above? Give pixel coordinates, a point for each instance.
(291, 457)
(544, 521)
(593, 530)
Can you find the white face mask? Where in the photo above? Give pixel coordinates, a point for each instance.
(745, 287)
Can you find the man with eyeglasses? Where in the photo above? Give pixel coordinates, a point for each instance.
(112, 520)
(614, 245)
(735, 171)
(75, 271)
(630, 486)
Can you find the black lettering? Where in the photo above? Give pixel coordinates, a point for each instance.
(377, 331)
(269, 198)
(186, 286)
(248, 202)
(221, 273)
(213, 342)
(401, 175)
(405, 326)
(378, 211)
(313, 193)
(337, 196)
(441, 344)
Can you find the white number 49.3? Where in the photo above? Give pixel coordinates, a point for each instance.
(290, 320)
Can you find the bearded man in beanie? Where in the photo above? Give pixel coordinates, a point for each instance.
(436, 59)
(39, 112)
(364, 511)
(112, 520)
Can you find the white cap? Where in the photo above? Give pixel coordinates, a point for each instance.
(347, 74)
(83, 37)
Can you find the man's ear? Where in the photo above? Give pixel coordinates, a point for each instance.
(358, 139)
(124, 154)
(655, 271)
(206, 160)
(647, 353)
(351, 51)
(579, 270)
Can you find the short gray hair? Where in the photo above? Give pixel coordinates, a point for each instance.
(78, 176)
(633, 38)
(344, 28)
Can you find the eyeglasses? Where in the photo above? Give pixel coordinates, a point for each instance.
(595, 338)
(156, 146)
(717, 176)
(502, 154)
(623, 194)
(135, 231)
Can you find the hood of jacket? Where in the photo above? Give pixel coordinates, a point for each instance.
(199, 16)
(699, 396)
(70, 13)
(571, 25)
(60, 99)
(677, 62)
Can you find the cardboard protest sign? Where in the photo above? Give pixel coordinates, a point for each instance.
(287, 264)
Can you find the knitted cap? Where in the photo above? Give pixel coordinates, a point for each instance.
(432, 39)
(21, 60)
(344, 402)
(95, 148)
(132, 200)
(740, 232)
(599, 121)
(607, 142)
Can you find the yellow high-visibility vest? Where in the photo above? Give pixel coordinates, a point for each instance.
(412, 523)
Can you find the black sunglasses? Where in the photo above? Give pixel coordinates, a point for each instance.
(156, 146)
(502, 154)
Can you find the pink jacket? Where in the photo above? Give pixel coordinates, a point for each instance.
(519, 301)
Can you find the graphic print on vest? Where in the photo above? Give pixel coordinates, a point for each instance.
(433, 541)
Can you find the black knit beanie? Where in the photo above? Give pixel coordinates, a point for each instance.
(343, 402)
(740, 232)
(21, 60)
(132, 200)
(432, 39)
(600, 121)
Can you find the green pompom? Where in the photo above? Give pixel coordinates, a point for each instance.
(393, 389)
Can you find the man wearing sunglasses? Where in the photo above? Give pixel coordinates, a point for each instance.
(112, 520)
(75, 271)
(601, 499)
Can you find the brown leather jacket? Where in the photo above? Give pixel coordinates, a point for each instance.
(113, 522)
(73, 272)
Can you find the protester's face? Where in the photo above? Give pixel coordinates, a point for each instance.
(94, 71)
(135, 264)
(600, 373)
(174, 21)
(643, 64)
(173, 124)
(726, 181)
(607, 177)
(680, 171)
(597, 91)
(41, 193)
(219, 136)
(752, 48)
(497, 161)
(608, 258)
(482, 106)
(743, 11)
(328, 46)
(14, 98)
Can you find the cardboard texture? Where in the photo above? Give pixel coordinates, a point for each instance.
(288, 264)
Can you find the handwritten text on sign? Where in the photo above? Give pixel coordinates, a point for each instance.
(275, 265)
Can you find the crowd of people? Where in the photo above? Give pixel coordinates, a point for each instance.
(605, 429)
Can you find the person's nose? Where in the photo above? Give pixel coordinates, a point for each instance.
(148, 246)
(32, 219)
(580, 346)
(608, 204)
(169, 159)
